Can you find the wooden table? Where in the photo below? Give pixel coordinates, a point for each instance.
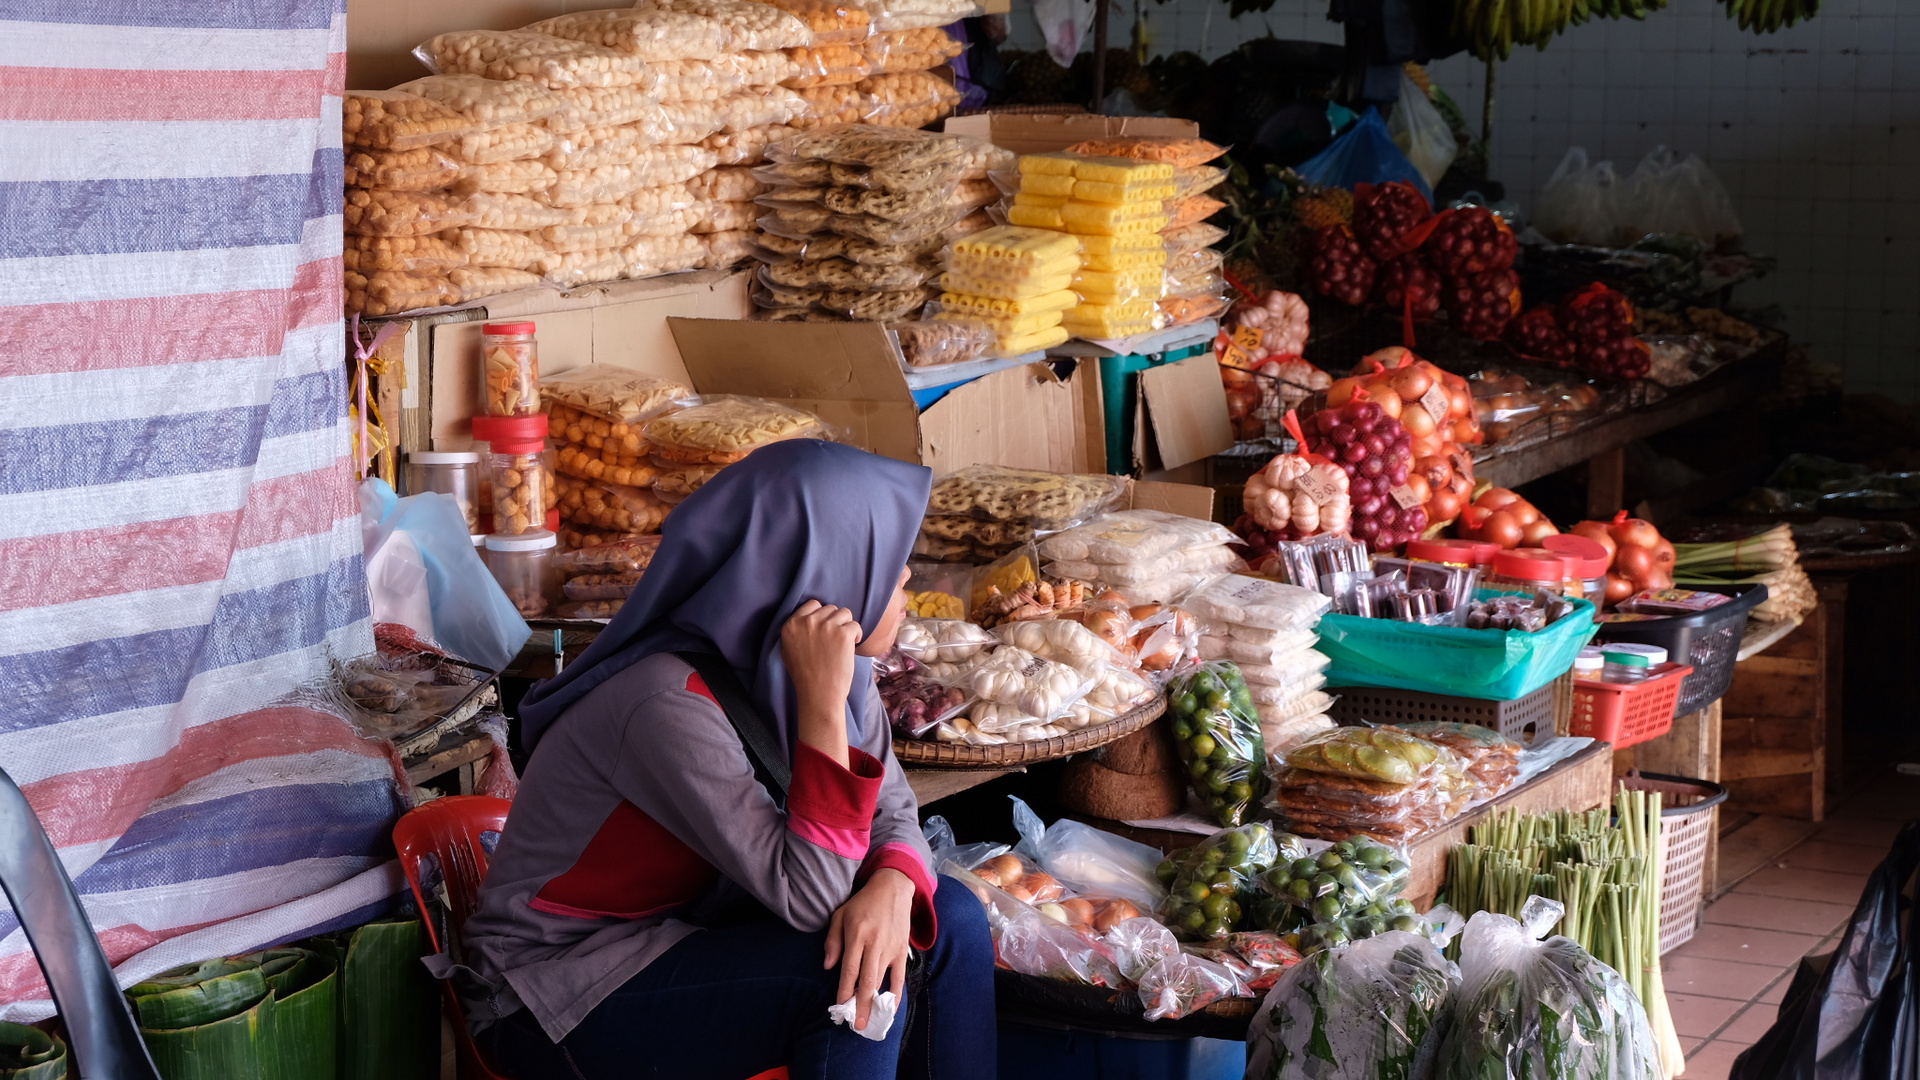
(932, 785)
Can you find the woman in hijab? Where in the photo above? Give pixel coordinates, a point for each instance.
(652, 909)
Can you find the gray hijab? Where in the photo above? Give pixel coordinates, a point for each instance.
(796, 521)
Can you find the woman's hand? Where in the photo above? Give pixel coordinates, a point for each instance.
(868, 939)
(817, 644)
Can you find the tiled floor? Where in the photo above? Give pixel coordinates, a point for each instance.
(1724, 987)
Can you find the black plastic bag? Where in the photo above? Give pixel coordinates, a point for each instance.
(1854, 1014)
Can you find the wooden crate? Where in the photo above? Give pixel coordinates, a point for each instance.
(1582, 782)
(1774, 727)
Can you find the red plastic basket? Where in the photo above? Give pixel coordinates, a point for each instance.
(1627, 713)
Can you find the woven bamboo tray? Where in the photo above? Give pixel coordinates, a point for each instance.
(968, 756)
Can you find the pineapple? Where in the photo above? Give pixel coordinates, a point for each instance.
(1326, 206)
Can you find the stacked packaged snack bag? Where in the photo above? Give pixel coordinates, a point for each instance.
(1195, 287)
(1119, 207)
(1016, 281)
(854, 218)
(1268, 630)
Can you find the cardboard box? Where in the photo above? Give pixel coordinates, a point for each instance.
(1187, 500)
(1034, 133)
(849, 374)
(621, 323)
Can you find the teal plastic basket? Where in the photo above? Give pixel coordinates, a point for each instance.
(1495, 665)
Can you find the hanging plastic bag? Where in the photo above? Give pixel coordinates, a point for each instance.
(1089, 861)
(1065, 25)
(1421, 132)
(469, 614)
(1580, 203)
(1529, 1008)
(1372, 1009)
(1672, 196)
(1852, 1013)
(1366, 154)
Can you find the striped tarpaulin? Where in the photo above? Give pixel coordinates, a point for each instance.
(179, 537)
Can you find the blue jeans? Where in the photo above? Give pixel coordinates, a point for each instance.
(727, 1004)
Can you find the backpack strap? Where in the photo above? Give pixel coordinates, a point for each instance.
(770, 764)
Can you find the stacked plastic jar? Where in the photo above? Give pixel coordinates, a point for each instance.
(519, 474)
(524, 566)
(509, 370)
(455, 475)
(1590, 560)
(1527, 569)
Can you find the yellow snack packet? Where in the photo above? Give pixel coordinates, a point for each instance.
(1122, 171)
(1016, 246)
(1055, 163)
(1004, 288)
(1021, 344)
(1047, 184)
(1036, 217)
(1102, 192)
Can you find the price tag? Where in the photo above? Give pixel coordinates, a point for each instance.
(1318, 486)
(1233, 357)
(1248, 337)
(1435, 402)
(1404, 497)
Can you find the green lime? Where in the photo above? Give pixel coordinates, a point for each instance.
(1305, 868)
(1216, 928)
(1216, 905)
(1193, 920)
(1167, 871)
(1217, 782)
(1202, 746)
(1300, 889)
(1324, 884)
(1215, 701)
(1197, 891)
(1239, 840)
(1375, 857)
(1199, 768)
(1240, 791)
(1182, 729)
(1186, 704)
(1330, 859)
(1223, 880)
(1405, 922)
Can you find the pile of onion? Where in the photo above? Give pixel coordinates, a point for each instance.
(1441, 476)
(1642, 558)
(1337, 266)
(1383, 215)
(1406, 284)
(1365, 439)
(1281, 497)
(1500, 516)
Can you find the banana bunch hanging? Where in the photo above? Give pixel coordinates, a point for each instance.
(1493, 27)
(1766, 16)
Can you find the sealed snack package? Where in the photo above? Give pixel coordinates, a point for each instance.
(1034, 688)
(884, 157)
(896, 51)
(388, 292)
(1381, 754)
(1207, 883)
(649, 35)
(1192, 237)
(569, 269)
(619, 557)
(827, 65)
(933, 344)
(1491, 759)
(475, 282)
(834, 105)
(682, 81)
(1197, 179)
(550, 62)
(508, 178)
(512, 213)
(1373, 1009)
(1218, 735)
(727, 248)
(367, 254)
(1180, 152)
(651, 255)
(614, 586)
(1130, 535)
(1533, 1008)
(571, 238)
(615, 394)
(1062, 641)
(745, 147)
(909, 99)
(574, 538)
(832, 21)
(1288, 671)
(1045, 501)
(725, 430)
(1155, 568)
(588, 465)
(729, 217)
(1118, 691)
(1259, 603)
(763, 69)
(676, 483)
(487, 101)
(591, 107)
(590, 609)
(686, 122)
(402, 213)
(661, 165)
(758, 107)
(503, 142)
(610, 507)
(503, 248)
(420, 169)
(920, 14)
(1192, 210)
(746, 25)
(397, 120)
(736, 184)
(667, 224)
(943, 641)
(916, 702)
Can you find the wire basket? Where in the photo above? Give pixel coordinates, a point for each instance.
(1532, 718)
(1710, 641)
(1627, 713)
(1686, 828)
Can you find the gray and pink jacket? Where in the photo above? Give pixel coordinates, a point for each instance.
(639, 813)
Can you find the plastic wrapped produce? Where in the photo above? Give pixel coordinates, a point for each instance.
(421, 169)
(649, 35)
(916, 702)
(397, 120)
(402, 213)
(551, 62)
(1381, 754)
(1529, 1009)
(1064, 642)
(747, 26)
(726, 430)
(1373, 1009)
(367, 254)
(1130, 535)
(1034, 686)
(1491, 759)
(1217, 732)
(1349, 878)
(1259, 603)
(1207, 883)
(487, 101)
(943, 641)
(1116, 692)
(389, 292)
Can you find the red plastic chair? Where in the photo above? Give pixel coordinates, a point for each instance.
(449, 829)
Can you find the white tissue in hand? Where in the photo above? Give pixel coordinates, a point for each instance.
(879, 1018)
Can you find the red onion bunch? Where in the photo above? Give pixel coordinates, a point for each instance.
(1376, 453)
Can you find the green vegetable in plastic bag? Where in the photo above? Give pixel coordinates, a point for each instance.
(1217, 731)
(1383, 754)
(1357, 879)
(1210, 885)
(1372, 1010)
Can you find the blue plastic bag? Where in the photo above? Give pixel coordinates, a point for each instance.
(1366, 154)
(470, 614)
(1494, 665)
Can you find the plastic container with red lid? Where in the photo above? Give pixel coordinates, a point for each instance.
(509, 370)
(1533, 568)
(1475, 553)
(519, 472)
(1590, 561)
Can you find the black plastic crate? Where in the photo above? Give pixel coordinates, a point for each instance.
(1527, 720)
(1710, 641)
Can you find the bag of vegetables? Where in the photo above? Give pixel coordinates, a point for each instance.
(1542, 1010)
(1211, 885)
(1372, 1010)
(1216, 729)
